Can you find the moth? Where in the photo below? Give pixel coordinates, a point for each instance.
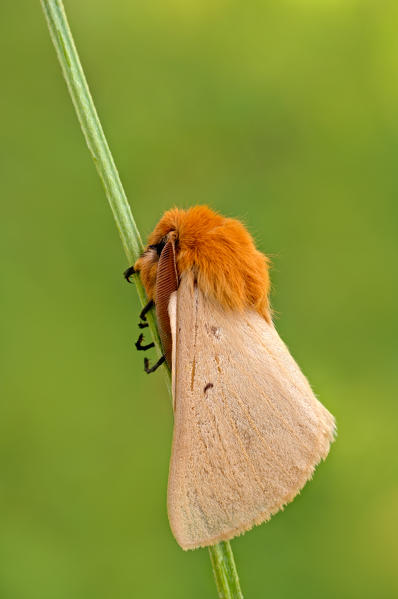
(248, 430)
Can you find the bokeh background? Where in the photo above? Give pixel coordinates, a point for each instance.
(283, 114)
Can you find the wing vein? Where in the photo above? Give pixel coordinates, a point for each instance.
(238, 438)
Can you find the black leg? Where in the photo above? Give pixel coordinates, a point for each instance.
(143, 325)
(154, 367)
(139, 345)
(127, 273)
(146, 309)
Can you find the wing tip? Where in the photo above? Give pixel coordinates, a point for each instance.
(265, 515)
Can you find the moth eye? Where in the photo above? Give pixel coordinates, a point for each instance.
(158, 246)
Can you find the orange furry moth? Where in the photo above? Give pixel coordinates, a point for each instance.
(248, 430)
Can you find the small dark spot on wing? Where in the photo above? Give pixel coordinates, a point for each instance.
(208, 386)
(215, 331)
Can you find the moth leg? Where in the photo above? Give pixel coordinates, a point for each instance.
(146, 309)
(127, 273)
(155, 366)
(142, 325)
(139, 345)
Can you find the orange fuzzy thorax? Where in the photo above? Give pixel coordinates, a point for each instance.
(220, 252)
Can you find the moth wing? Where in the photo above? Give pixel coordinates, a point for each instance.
(248, 430)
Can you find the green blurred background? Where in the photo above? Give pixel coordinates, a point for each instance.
(283, 114)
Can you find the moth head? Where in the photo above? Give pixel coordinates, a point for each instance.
(185, 227)
(147, 263)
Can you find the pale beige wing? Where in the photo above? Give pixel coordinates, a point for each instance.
(248, 430)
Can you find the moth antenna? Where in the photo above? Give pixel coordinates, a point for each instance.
(128, 273)
(140, 347)
(155, 366)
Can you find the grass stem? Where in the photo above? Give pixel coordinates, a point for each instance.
(221, 555)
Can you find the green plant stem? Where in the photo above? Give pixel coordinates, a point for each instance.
(224, 569)
(221, 555)
(97, 144)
